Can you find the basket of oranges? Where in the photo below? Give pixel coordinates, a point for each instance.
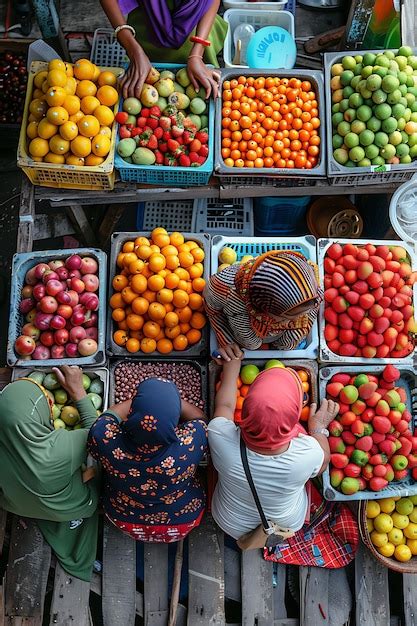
(68, 134)
(156, 294)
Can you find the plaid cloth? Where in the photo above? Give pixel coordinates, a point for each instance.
(329, 540)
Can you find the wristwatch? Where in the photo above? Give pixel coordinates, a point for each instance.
(319, 431)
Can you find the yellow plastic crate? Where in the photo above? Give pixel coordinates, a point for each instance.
(64, 176)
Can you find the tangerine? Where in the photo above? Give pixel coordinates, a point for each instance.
(116, 300)
(149, 295)
(193, 336)
(151, 329)
(140, 305)
(93, 160)
(57, 115)
(46, 130)
(171, 281)
(119, 282)
(104, 115)
(68, 131)
(139, 283)
(58, 159)
(81, 146)
(84, 69)
(198, 284)
(107, 95)
(198, 254)
(88, 104)
(148, 345)
(142, 241)
(180, 343)
(118, 315)
(144, 252)
(57, 78)
(88, 126)
(100, 145)
(71, 86)
(176, 238)
(58, 145)
(185, 314)
(173, 332)
(106, 77)
(157, 262)
(186, 259)
(171, 319)
(196, 270)
(134, 321)
(128, 295)
(136, 266)
(162, 240)
(185, 328)
(55, 96)
(165, 296)
(132, 345)
(156, 282)
(32, 129)
(164, 346)
(180, 298)
(195, 301)
(168, 250)
(120, 337)
(156, 311)
(198, 320)
(38, 147)
(172, 262)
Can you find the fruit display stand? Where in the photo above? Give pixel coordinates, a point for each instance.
(370, 175)
(255, 246)
(326, 355)
(24, 262)
(408, 381)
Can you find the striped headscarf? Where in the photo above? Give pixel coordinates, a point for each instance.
(273, 284)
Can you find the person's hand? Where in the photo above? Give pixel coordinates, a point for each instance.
(200, 74)
(321, 418)
(70, 377)
(134, 78)
(230, 352)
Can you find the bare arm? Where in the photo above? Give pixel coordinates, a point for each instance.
(191, 412)
(225, 401)
(321, 419)
(197, 71)
(138, 70)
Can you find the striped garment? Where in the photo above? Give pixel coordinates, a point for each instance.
(239, 300)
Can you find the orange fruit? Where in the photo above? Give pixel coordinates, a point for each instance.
(198, 320)
(196, 270)
(55, 96)
(68, 131)
(32, 129)
(57, 115)
(100, 145)
(38, 147)
(122, 325)
(172, 262)
(118, 315)
(176, 239)
(46, 130)
(302, 375)
(162, 240)
(81, 146)
(134, 321)
(132, 345)
(128, 295)
(56, 64)
(305, 387)
(136, 267)
(128, 258)
(148, 345)
(58, 159)
(38, 108)
(164, 346)
(180, 343)
(168, 250)
(185, 314)
(105, 130)
(128, 246)
(149, 295)
(142, 241)
(186, 259)
(116, 300)
(144, 252)
(69, 70)
(120, 259)
(180, 298)
(94, 160)
(88, 126)
(155, 249)
(136, 334)
(184, 247)
(58, 145)
(76, 117)
(198, 254)
(173, 332)
(184, 328)
(182, 273)
(107, 78)
(57, 78)
(157, 262)
(244, 389)
(71, 159)
(88, 104)
(84, 69)
(165, 296)
(104, 115)
(119, 282)
(40, 77)
(107, 95)
(151, 329)
(157, 231)
(96, 73)
(156, 282)
(171, 281)
(120, 337)
(193, 336)
(183, 284)
(163, 273)
(171, 319)
(305, 413)
(198, 284)
(195, 301)
(71, 86)
(156, 311)
(140, 305)
(239, 403)
(139, 283)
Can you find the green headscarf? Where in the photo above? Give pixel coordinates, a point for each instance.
(41, 476)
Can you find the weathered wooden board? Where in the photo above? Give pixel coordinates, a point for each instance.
(314, 596)
(372, 595)
(156, 605)
(232, 588)
(206, 575)
(26, 217)
(256, 588)
(81, 224)
(278, 593)
(70, 600)
(119, 577)
(410, 599)
(27, 571)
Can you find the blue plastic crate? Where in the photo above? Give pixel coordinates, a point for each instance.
(165, 175)
(280, 216)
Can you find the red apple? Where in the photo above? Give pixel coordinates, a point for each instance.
(53, 287)
(48, 304)
(30, 276)
(27, 291)
(74, 274)
(49, 275)
(39, 291)
(77, 334)
(40, 270)
(63, 297)
(71, 350)
(26, 305)
(30, 330)
(87, 347)
(88, 265)
(92, 333)
(30, 317)
(55, 264)
(47, 338)
(63, 273)
(92, 322)
(77, 285)
(57, 322)
(61, 336)
(89, 300)
(73, 262)
(42, 320)
(91, 282)
(58, 351)
(41, 353)
(24, 345)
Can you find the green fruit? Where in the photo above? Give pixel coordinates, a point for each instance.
(51, 382)
(364, 163)
(382, 111)
(364, 113)
(355, 100)
(379, 96)
(367, 71)
(56, 412)
(413, 152)
(349, 486)
(394, 97)
(86, 382)
(357, 127)
(389, 125)
(196, 120)
(162, 103)
(358, 457)
(133, 106)
(180, 101)
(401, 61)
(381, 139)
(179, 88)
(378, 161)
(197, 106)
(61, 396)
(70, 415)
(248, 373)
(390, 54)
(95, 399)
(358, 58)
(382, 61)
(356, 154)
(412, 61)
(390, 83)
(341, 156)
(346, 77)
(126, 147)
(357, 76)
(58, 424)
(273, 363)
(335, 108)
(371, 152)
(348, 91)
(380, 71)
(182, 77)
(167, 74)
(404, 506)
(401, 123)
(37, 377)
(351, 140)
(343, 128)
(143, 156)
(373, 124)
(369, 58)
(97, 386)
(350, 163)
(404, 136)
(395, 138)
(405, 51)
(387, 152)
(348, 63)
(412, 140)
(349, 115)
(337, 118)
(360, 379)
(398, 111)
(344, 105)
(373, 82)
(403, 90)
(192, 93)
(366, 138)
(337, 141)
(402, 150)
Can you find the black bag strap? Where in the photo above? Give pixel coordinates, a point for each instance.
(245, 463)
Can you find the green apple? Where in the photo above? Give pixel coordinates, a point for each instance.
(273, 363)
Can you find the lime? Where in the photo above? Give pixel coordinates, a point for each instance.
(379, 96)
(373, 82)
(364, 113)
(350, 163)
(351, 140)
(367, 71)
(383, 523)
(398, 111)
(405, 160)
(371, 151)
(396, 536)
(356, 154)
(341, 156)
(374, 124)
(355, 81)
(404, 136)
(337, 118)
(357, 69)
(394, 97)
(348, 63)
(366, 137)
(395, 138)
(355, 100)
(410, 76)
(248, 373)
(410, 98)
(346, 77)
(381, 139)
(380, 71)
(402, 77)
(387, 152)
(413, 152)
(401, 61)
(382, 111)
(403, 89)
(378, 161)
(404, 506)
(412, 140)
(412, 61)
(344, 105)
(379, 539)
(401, 123)
(394, 67)
(402, 150)
(412, 90)
(365, 93)
(382, 61)
(405, 51)
(413, 111)
(343, 128)
(337, 141)
(357, 126)
(389, 125)
(369, 58)
(348, 91)
(364, 162)
(407, 115)
(358, 58)
(390, 54)
(349, 115)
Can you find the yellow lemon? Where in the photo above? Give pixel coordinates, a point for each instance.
(379, 539)
(412, 544)
(89, 104)
(69, 130)
(32, 130)
(58, 159)
(81, 146)
(89, 126)
(71, 104)
(387, 505)
(86, 88)
(396, 536)
(57, 78)
(71, 159)
(39, 78)
(38, 147)
(104, 115)
(56, 64)
(400, 521)
(387, 550)
(57, 115)
(84, 69)
(411, 531)
(46, 130)
(76, 117)
(38, 108)
(369, 525)
(404, 506)
(105, 130)
(383, 523)
(58, 145)
(100, 145)
(372, 509)
(403, 553)
(107, 78)
(413, 515)
(92, 160)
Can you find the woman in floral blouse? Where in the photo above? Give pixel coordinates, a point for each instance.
(149, 449)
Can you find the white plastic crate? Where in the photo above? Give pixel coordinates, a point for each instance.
(106, 51)
(255, 246)
(262, 6)
(403, 211)
(174, 215)
(214, 216)
(258, 19)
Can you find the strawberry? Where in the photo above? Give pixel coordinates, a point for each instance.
(145, 112)
(180, 140)
(188, 123)
(201, 160)
(121, 117)
(129, 126)
(184, 160)
(166, 136)
(177, 130)
(188, 136)
(152, 143)
(159, 157)
(153, 122)
(155, 111)
(170, 160)
(158, 132)
(204, 151)
(173, 145)
(202, 135)
(144, 138)
(165, 122)
(136, 131)
(124, 132)
(141, 121)
(194, 157)
(195, 145)
(163, 147)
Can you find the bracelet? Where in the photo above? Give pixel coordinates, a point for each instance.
(123, 26)
(204, 42)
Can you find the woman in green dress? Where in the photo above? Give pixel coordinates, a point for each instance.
(170, 31)
(41, 472)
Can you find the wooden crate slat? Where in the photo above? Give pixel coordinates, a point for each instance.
(27, 571)
(371, 585)
(232, 588)
(70, 600)
(119, 577)
(278, 593)
(410, 599)
(256, 588)
(206, 575)
(314, 595)
(156, 606)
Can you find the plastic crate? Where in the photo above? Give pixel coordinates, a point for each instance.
(310, 366)
(97, 372)
(279, 216)
(106, 50)
(326, 355)
(64, 176)
(166, 175)
(197, 350)
(260, 6)
(258, 18)
(24, 262)
(408, 381)
(255, 246)
(405, 225)
(272, 175)
(341, 175)
(234, 217)
(171, 214)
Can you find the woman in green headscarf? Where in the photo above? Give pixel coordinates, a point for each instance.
(41, 469)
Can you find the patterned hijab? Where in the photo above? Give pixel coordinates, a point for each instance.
(272, 408)
(273, 284)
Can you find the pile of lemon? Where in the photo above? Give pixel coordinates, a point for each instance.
(392, 525)
(71, 113)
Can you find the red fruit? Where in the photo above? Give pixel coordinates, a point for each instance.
(121, 117)
(336, 429)
(356, 313)
(380, 471)
(377, 438)
(364, 270)
(400, 474)
(335, 251)
(363, 254)
(349, 450)
(367, 415)
(329, 265)
(384, 252)
(376, 483)
(394, 266)
(394, 417)
(374, 339)
(382, 408)
(396, 316)
(345, 321)
(361, 287)
(336, 444)
(391, 373)
(352, 470)
(347, 336)
(378, 459)
(374, 280)
(340, 268)
(339, 304)
(366, 300)
(348, 437)
(347, 418)
(347, 349)
(336, 477)
(124, 132)
(377, 263)
(341, 378)
(367, 471)
(387, 447)
(406, 446)
(339, 460)
(331, 316)
(367, 390)
(381, 424)
(334, 388)
(337, 280)
(349, 262)
(366, 325)
(389, 476)
(330, 294)
(352, 297)
(357, 428)
(358, 407)
(364, 443)
(334, 345)
(375, 311)
(412, 461)
(350, 278)
(402, 426)
(47, 338)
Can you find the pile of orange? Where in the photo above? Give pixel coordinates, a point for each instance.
(270, 122)
(157, 301)
(242, 392)
(71, 113)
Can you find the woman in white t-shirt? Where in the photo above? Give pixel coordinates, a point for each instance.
(282, 456)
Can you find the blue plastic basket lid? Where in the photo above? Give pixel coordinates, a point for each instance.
(271, 47)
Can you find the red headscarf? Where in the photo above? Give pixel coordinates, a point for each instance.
(271, 411)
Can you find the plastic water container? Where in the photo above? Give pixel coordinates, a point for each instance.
(280, 216)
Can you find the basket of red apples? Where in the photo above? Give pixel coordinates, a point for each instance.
(57, 308)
